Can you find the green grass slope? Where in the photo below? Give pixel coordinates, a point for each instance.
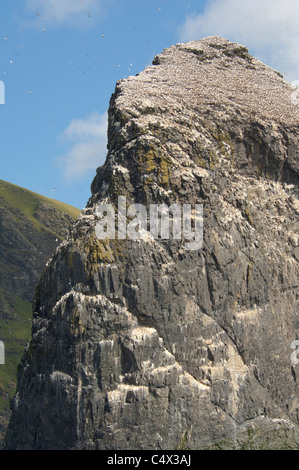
(28, 201)
(31, 227)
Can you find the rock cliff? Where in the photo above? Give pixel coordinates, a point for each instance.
(143, 344)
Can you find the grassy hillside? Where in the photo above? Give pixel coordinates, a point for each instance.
(31, 227)
(27, 202)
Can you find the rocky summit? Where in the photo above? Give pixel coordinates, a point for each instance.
(142, 343)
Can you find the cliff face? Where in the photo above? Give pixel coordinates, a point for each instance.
(143, 344)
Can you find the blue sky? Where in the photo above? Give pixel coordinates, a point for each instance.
(60, 60)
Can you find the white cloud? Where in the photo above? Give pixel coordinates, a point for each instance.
(93, 126)
(88, 139)
(269, 28)
(66, 12)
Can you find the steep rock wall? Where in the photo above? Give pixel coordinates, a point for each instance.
(142, 344)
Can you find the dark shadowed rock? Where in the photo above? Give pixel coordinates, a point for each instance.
(144, 344)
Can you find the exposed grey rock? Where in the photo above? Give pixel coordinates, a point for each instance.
(144, 344)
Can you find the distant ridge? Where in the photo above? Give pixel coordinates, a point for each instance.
(9, 190)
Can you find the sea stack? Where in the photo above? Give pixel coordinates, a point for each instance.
(141, 343)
